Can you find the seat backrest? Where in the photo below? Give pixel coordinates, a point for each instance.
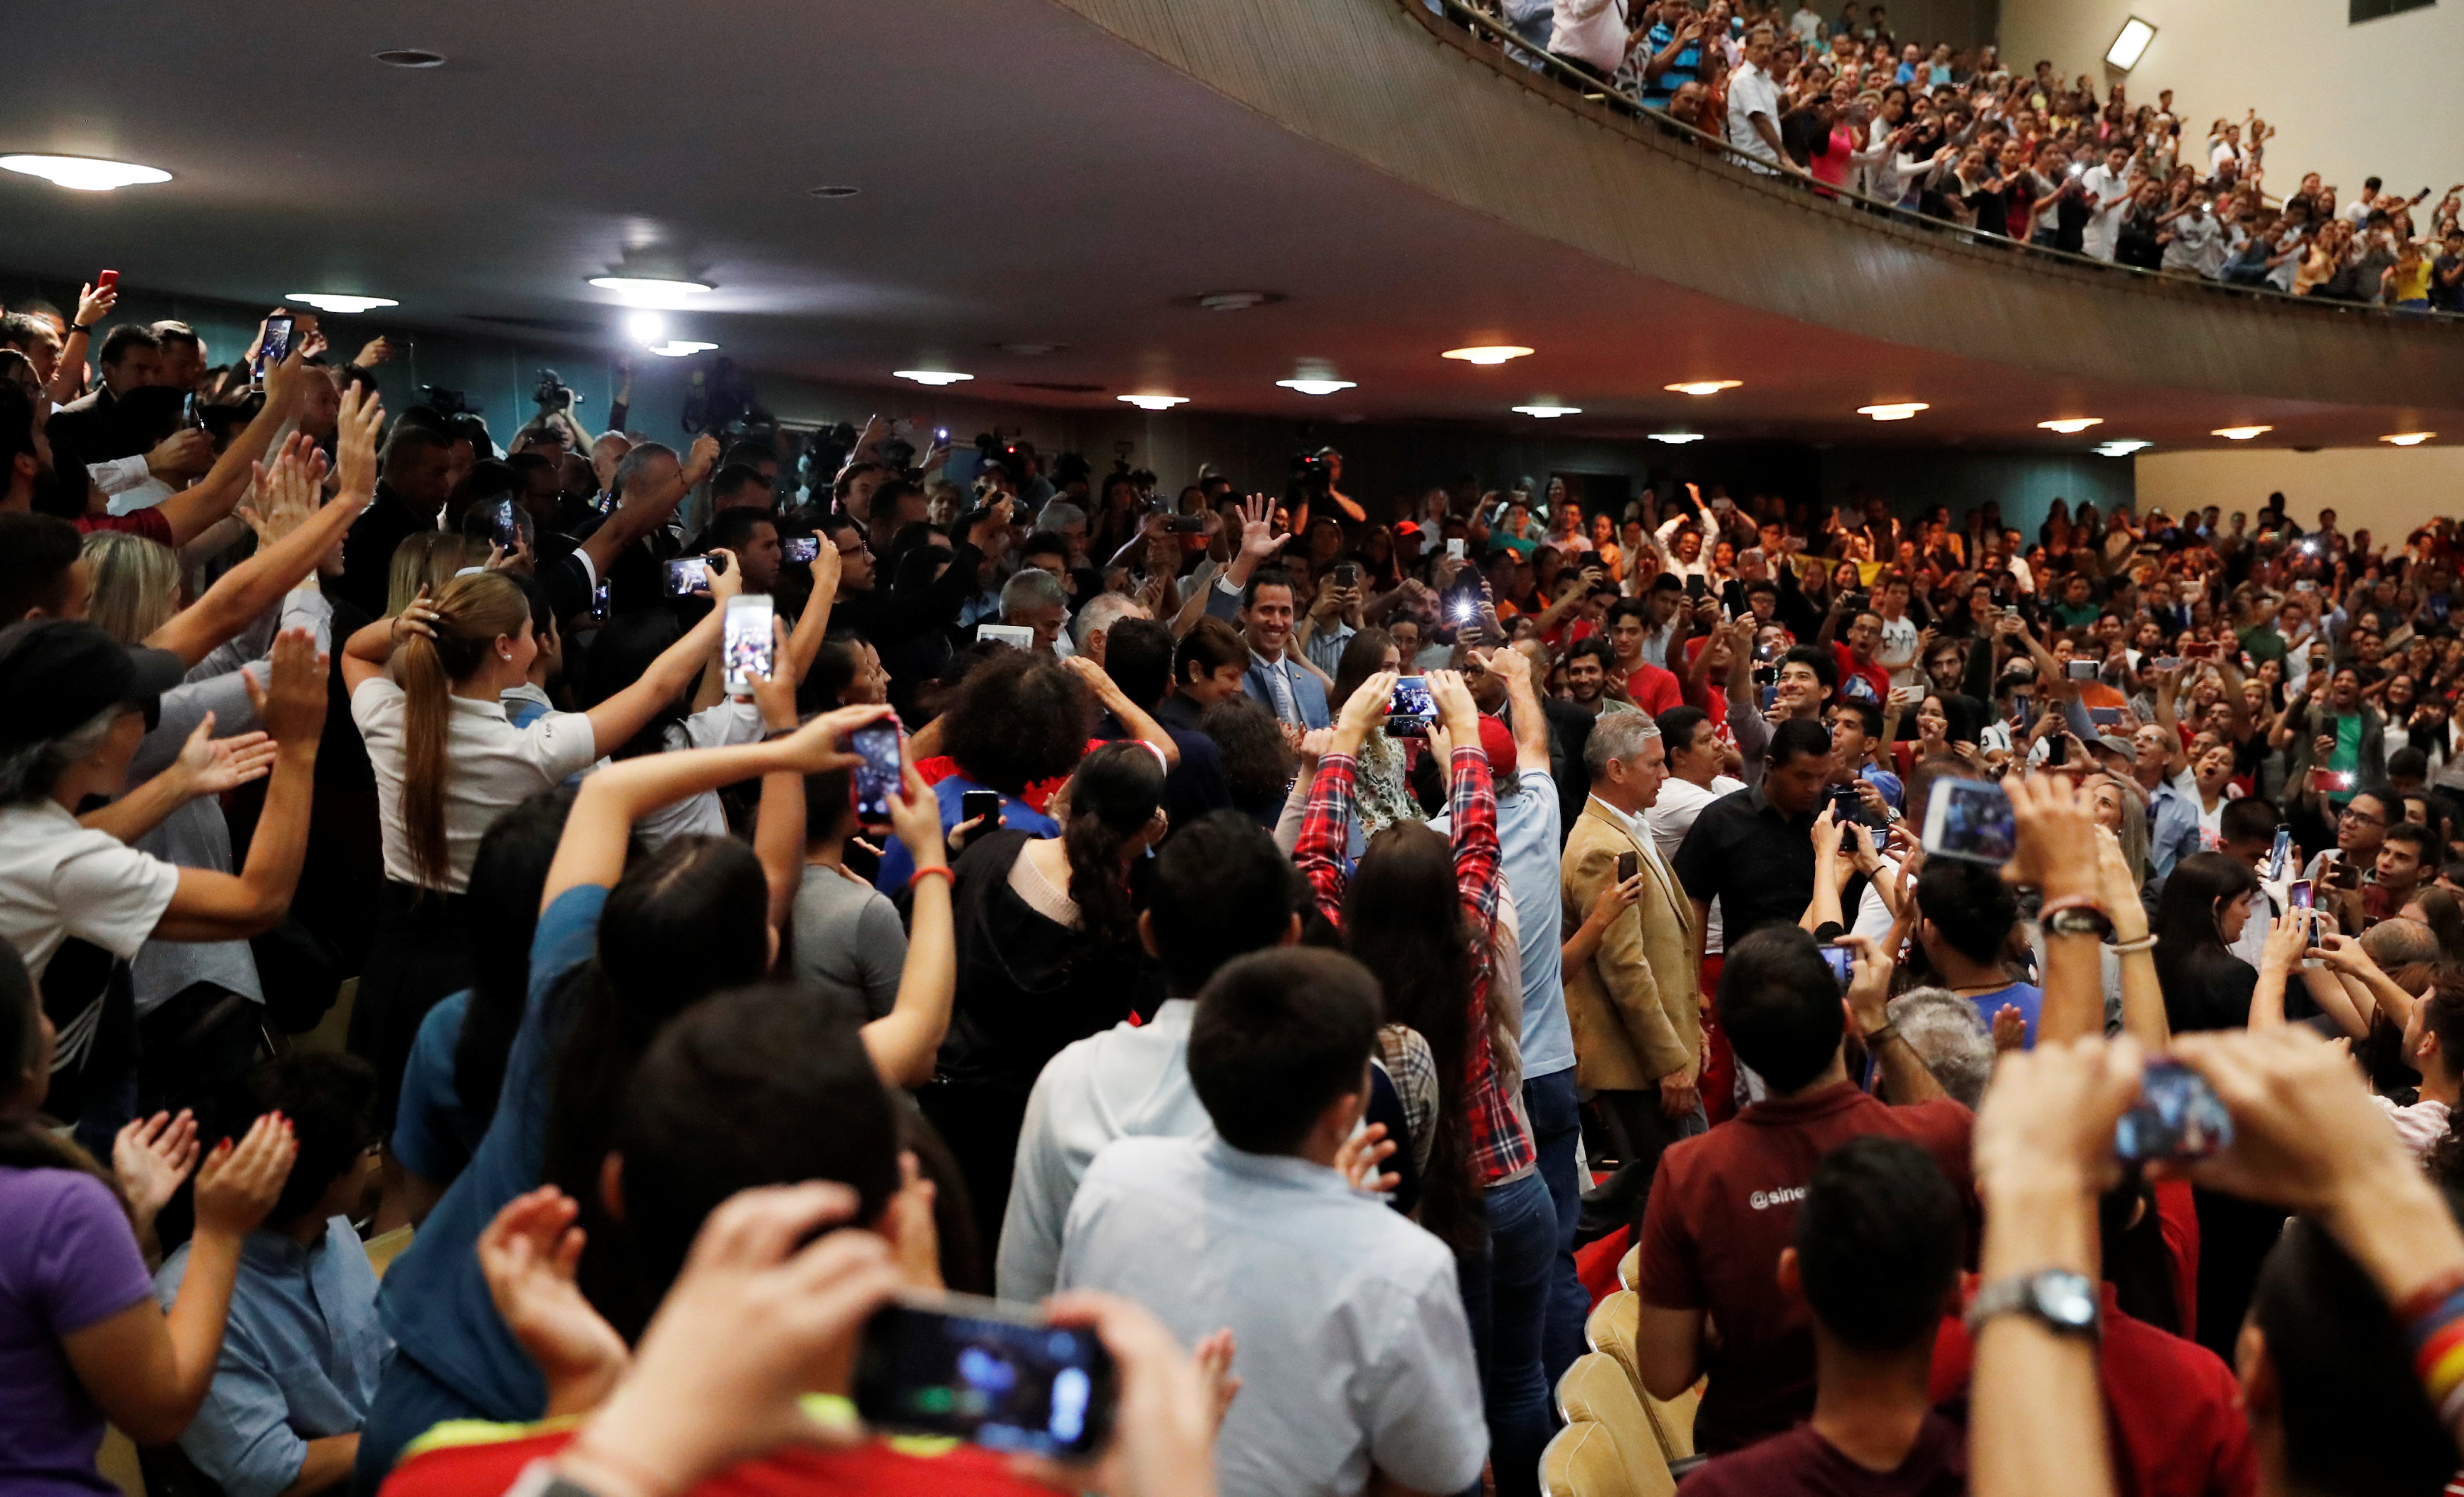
(1611, 1331)
(386, 1247)
(1597, 1390)
(1630, 1267)
(1581, 1460)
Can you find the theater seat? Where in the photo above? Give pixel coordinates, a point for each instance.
(1611, 1331)
(1630, 1267)
(1595, 1390)
(1581, 1460)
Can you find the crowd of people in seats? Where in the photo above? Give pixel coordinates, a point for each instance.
(1954, 137)
(1301, 938)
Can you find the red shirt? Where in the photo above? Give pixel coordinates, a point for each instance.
(788, 1471)
(2172, 1409)
(1856, 680)
(1802, 1464)
(937, 767)
(1652, 689)
(1721, 1210)
(147, 522)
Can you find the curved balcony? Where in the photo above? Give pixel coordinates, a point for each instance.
(1426, 101)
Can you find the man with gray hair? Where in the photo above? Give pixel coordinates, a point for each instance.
(1634, 1001)
(1095, 619)
(1068, 522)
(1950, 1036)
(1034, 598)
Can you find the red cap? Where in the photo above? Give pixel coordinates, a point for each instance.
(1497, 741)
(1407, 528)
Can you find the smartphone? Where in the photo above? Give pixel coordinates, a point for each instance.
(1455, 548)
(2279, 853)
(2335, 780)
(940, 436)
(800, 548)
(985, 804)
(105, 280)
(602, 606)
(1347, 574)
(2105, 716)
(877, 776)
(1843, 961)
(2177, 1116)
(276, 347)
(2023, 706)
(992, 1374)
(1185, 525)
(1971, 820)
(1411, 711)
(2201, 651)
(688, 574)
(747, 641)
(1771, 697)
(1629, 865)
(2080, 670)
(2168, 662)
(504, 525)
(2343, 874)
(1016, 635)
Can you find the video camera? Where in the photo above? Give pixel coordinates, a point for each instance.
(553, 394)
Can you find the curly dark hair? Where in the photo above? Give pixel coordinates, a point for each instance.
(1258, 764)
(1019, 718)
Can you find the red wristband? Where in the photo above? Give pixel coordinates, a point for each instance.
(941, 871)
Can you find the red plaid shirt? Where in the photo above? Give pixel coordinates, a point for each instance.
(1499, 1144)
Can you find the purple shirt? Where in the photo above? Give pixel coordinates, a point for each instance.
(67, 1261)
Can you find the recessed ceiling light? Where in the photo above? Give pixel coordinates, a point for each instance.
(1234, 301)
(679, 347)
(1897, 410)
(410, 57)
(834, 190)
(2070, 424)
(931, 376)
(2129, 44)
(336, 302)
(2239, 434)
(2122, 447)
(1487, 353)
(1676, 438)
(1545, 412)
(1317, 387)
(2408, 438)
(1703, 387)
(649, 289)
(85, 173)
(645, 327)
(1153, 402)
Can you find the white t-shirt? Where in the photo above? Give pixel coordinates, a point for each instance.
(1899, 652)
(1672, 815)
(1750, 93)
(1805, 25)
(59, 879)
(2107, 199)
(490, 767)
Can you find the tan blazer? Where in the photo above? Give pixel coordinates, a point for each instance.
(1636, 1005)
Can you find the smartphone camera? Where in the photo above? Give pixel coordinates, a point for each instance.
(1629, 865)
(983, 1372)
(1843, 961)
(984, 803)
(2177, 1116)
(276, 347)
(2080, 669)
(800, 548)
(688, 574)
(876, 775)
(747, 641)
(1347, 574)
(1412, 711)
(1971, 820)
(602, 606)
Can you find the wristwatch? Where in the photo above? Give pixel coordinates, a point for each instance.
(2062, 1301)
(75, 328)
(542, 1479)
(2075, 917)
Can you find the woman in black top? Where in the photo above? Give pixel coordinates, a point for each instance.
(2201, 914)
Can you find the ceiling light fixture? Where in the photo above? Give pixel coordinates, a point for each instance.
(1487, 353)
(1676, 438)
(2070, 425)
(645, 327)
(410, 57)
(2407, 438)
(833, 190)
(336, 302)
(2121, 446)
(85, 173)
(1545, 412)
(649, 291)
(1153, 402)
(1897, 410)
(679, 347)
(1703, 387)
(931, 376)
(1309, 387)
(2129, 44)
(1234, 301)
(2239, 434)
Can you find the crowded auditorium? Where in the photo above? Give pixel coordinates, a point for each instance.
(1290, 748)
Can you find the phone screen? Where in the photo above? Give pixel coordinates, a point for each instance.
(2280, 852)
(2177, 1116)
(277, 344)
(985, 804)
(1971, 820)
(745, 646)
(688, 574)
(1455, 549)
(1018, 636)
(504, 525)
(800, 548)
(1629, 864)
(876, 778)
(2298, 894)
(602, 608)
(2080, 670)
(1412, 711)
(1843, 961)
(982, 1373)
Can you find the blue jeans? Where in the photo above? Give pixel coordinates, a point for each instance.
(1556, 1127)
(1507, 1305)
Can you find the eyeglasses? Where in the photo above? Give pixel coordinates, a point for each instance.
(2351, 815)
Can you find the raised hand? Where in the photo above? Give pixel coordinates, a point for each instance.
(95, 303)
(915, 817)
(813, 749)
(355, 442)
(1366, 707)
(527, 1254)
(151, 1156)
(1258, 538)
(239, 1182)
(183, 455)
(2009, 1029)
(1359, 1159)
(725, 578)
(292, 703)
(214, 766)
(1456, 709)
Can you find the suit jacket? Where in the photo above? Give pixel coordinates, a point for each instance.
(1636, 1007)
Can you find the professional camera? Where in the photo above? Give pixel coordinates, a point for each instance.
(445, 401)
(553, 393)
(723, 403)
(1315, 470)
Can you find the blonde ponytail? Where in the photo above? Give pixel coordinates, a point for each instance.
(472, 612)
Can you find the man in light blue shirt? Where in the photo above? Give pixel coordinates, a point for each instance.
(1348, 1328)
(1262, 608)
(302, 1350)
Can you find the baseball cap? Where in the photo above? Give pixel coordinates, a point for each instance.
(1408, 527)
(1497, 741)
(58, 673)
(2115, 742)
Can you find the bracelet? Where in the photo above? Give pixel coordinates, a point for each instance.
(1876, 1039)
(941, 871)
(2052, 907)
(776, 734)
(2437, 1337)
(75, 328)
(2126, 948)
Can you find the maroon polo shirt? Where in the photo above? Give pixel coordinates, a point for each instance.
(1802, 1464)
(1722, 1207)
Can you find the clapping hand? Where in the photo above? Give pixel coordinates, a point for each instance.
(528, 1255)
(152, 1155)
